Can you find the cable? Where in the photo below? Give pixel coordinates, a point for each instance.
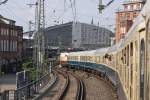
(3, 2)
(13, 13)
(63, 13)
(20, 7)
(75, 10)
(64, 4)
(110, 2)
(72, 10)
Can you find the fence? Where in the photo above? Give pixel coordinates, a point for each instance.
(26, 92)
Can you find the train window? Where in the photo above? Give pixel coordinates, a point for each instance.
(147, 92)
(122, 56)
(136, 53)
(125, 58)
(131, 49)
(131, 74)
(128, 55)
(142, 66)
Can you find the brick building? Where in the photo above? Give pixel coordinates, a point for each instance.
(10, 45)
(125, 17)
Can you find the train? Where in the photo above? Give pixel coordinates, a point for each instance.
(129, 59)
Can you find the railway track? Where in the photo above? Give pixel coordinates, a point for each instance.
(56, 90)
(98, 88)
(75, 89)
(67, 87)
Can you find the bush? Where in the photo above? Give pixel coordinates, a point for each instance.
(29, 67)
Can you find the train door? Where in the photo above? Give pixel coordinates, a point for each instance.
(142, 66)
(147, 58)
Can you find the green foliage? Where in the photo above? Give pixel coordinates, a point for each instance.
(29, 67)
(45, 66)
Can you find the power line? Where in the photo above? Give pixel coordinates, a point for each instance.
(63, 13)
(72, 10)
(75, 9)
(3, 2)
(9, 10)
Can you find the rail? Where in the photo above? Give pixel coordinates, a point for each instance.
(80, 93)
(104, 75)
(64, 91)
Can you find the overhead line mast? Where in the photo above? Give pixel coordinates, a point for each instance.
(40, 38)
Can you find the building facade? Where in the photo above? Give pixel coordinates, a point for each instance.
(28, 43)
(125, 17)
(78, 35)
(60, 35)
(10, 45)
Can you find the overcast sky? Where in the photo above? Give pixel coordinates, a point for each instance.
(19, 11)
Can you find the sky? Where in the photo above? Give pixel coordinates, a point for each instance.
(58, 11)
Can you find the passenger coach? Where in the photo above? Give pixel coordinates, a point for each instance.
(129, 59)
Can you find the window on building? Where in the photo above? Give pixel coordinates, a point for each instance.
(128, 15)
(134, 15)
(135, 6)
(5, 45)
(11, 45)
(139, 6)
(16, 33)
(1, 45)
(2, 32)
(7, 32)
(128, 7)
(16, 46)
(131, 7)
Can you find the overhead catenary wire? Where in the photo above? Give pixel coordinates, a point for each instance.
(75, 9)
(9, 11)
(61, 15)
(73, 13)
(3, 2)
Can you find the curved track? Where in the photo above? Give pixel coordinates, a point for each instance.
(56, 91)
(76, 88)
(68, 86)
(96, 88)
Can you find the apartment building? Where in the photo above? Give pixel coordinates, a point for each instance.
(126, 16)
(10, 45)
